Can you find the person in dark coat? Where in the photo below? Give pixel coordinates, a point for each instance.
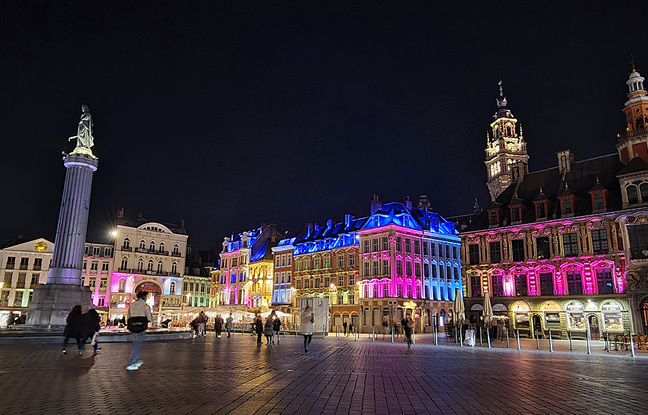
(258, 328)
(73, 329)
(218, 325)
(408, 324)
(90, 325)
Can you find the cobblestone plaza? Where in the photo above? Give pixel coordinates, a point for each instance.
(219, 376)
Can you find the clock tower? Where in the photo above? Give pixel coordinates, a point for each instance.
(505, 149)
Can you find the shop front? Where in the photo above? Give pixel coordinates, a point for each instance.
(520, 312)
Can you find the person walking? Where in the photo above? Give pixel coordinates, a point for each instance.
(408, 324)
(218, 325)
(73, 329)
(258, 328)
(139, 317)
(229, 324)
(90, 326)
(306, 326)
(276, 326)
(344, 326)
(268, 328)
(202, 324)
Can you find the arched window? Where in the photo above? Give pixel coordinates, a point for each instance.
(124, 263)
(142, 244)
(172, 288)
(632, 194)
(152, 246)
(122, 285)
(159, 266)
(140, 264)
(508, 131)
(126, 243)
(176, 249)
(174, 268)
(161, 246)
(521, 285)
(149, 266)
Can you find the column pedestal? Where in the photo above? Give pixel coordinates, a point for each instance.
(54, 302)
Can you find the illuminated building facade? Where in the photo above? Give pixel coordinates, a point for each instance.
(196, 291)
(326, 266)
(149, 256)
(566, 249)
(23, 265)
(409, 264)
(505, 147)
(246, 271)
(98, 262)
(282, 292)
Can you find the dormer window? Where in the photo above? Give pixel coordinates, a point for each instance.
(493, 217)
(541, 210)
(515, 214)
(632, 194)
(598, 201)
(567, 207)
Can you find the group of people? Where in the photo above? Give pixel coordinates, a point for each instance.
(199, 325)
(81, 327)
(270, 329)
(15, 319)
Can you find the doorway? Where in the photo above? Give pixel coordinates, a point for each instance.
(537, 326)
(595, 331)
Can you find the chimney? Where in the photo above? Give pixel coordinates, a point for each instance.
(181, 224)
(408, 203)
(309, 230)
(565, 161)
(375, 204)
(120, 213)
(424, 202)
(348, 218)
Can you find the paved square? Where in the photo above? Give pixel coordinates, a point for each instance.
(220, 376)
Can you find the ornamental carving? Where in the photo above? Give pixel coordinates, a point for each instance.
(472, 239)
(540, 232)
(516, 235)
(594, 225)
(636, 281)
(492, 238)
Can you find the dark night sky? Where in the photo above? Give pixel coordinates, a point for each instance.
(228, 114)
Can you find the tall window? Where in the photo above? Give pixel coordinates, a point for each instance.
(176, 250)
(517, 246)
(159, 266)
(473, 254)
(366, 269)
(172, 288)
(492, 218)
(340, 261)
(174, 268)
(570, 244)
(385, 264)
(375, 268)
(149, 266)
(521, 285)
(546, 283)
(408, 245)
(366, 245)
(417, 269)
(399, 267)
(574, 282)
(38, 264)
(475, 286)
(600, 241)
(122, 285)
(542, 247)
(374, 242)
(140, 264)
(408, 268)
(632, 194)
(399, 244)
(385, 243)
(604, 280)
(417, 246)
(161, 247)
(540, 211)
(152, 246)
(124, 263)
(318, 263)
(638, 235)
(495, 252)
(351, 260)
(327, 262)
(126, 243)
(142, 244)
(643, 190)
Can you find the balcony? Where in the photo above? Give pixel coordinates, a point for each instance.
(23, 266)
(635, 133)
(126, 248)
(176, 254)
(142, 250)
(10, 266)
(36, 268)
(165, 253)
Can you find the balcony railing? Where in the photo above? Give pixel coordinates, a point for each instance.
(633, 133)
(10, 266)
(176, 254)
(23, 266)
(126, 248)
(37, 268)
(142, 250)
(148, 272)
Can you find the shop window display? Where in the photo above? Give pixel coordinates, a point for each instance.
(612, 318)
(575, 316)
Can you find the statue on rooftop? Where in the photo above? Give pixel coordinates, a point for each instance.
(84, 137)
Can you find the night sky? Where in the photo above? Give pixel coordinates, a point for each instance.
(228, 114)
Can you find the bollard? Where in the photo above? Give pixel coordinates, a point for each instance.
(480, 336)
(550, 342)
(324, 330)
(337, 332)
(589, 346)
(413, 336)
(518, 339)
(393, 333)
(632, 350)
(355, 334)
(436, 336)
(461, 336)
(455, 336)
(507, 339)
(537, 340)
(570, 340)
(373, 334)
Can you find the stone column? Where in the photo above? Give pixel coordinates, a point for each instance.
(52, 301)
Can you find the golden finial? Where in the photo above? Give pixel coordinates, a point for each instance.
(632, 63)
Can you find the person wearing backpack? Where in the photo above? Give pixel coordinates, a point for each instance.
(139, 317)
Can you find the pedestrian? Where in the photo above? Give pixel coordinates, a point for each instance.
(73, 329)
(218, 325)
(344, 326)
(258, 328)
(350, 329)
(408, 324)
(90, 326)
(268, 328)
(276, 326)
(11, 320)
(229, 325)
(202, 324)
(306, 326)
(139, 317)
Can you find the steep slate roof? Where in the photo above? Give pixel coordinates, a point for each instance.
(580, 180)
(636, 165)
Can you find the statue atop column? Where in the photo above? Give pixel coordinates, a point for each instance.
(84, 137)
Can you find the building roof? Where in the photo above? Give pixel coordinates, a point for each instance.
(551, 183)
(636, 165)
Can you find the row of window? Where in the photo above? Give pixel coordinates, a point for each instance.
(306, 263)
(236, 261)
(94, 266)
(374, 268)
(149, 265)
(20, 280)
(24, 263)
(317, 282)
(98, 251)
(284, 260)
(545, 284)
(407, 291)
(151, 246)
(407, 245)
(543, 247)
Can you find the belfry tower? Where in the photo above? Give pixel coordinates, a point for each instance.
(506, 150)
(634, 141)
